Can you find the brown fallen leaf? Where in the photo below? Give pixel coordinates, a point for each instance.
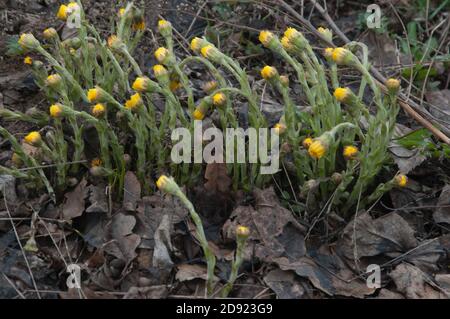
(153, 292)
(97, 199)
(187, 272)
(285, 284)
(74, 206)
(217, 178)
(442, 212)
(413, 283)
(131, 192)
(123, 242)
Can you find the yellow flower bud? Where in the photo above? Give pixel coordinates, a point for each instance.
(161, 54)
(114, 42)
(326, 33)
(28, 42)
(49, 33)
(98, 110)
(307, 142)
(34, 139)
(165, 28)
(141, 84)
(341, 56)
(286, 43)
(210, 86)
(284, 79)
(95, 95)
(139, 26)
(121, 12)
(56, 110)
(269, 72)
(198, 115)
(62, 12)
(160, 70)
(242, 231)
(328, 53)
(174, 86)
(53, 80)
(291, 34)
(317, 149)
(280, 128)
(266, 37)
(210, 52)
(96, 162)
(393, 85)
(401, 180)
(196, 44)
(343, 95)
(350, 152)
(219, 99)
(28, 60)
(167, 184)
(134, 102)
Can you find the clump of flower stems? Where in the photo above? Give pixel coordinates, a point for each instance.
(94, 81)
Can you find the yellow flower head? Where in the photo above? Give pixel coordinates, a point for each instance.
(279, 128)
(161, 54)
(96, 162)
(94, 95)
(342, 94)
(350, 152)
(269, 72)
(139, 26)
(328, 53)
(266, 37)
(291, 34)
(393, 84)
(198, 115)
(162, 182)
(167, 184)
(49, 33)
(62, 12)
(307, 142)
(164, 27)
(326, 33)
(28, 42)
(401, 180)
(134, 102)
(114, 41)
(28, 60)
(160, 70)
(196, 44)
(209, 51)
(56, 111)
(317, 149)
(341, 55)
(33, 138)
(210, 86)
(286, 43)
(121, 12)
(219, 99)
(98, 110)
(141, 84)
(53, 80)
(242, 231)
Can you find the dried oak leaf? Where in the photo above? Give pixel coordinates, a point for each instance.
(123, 242)
(74, 206)
(274, 232)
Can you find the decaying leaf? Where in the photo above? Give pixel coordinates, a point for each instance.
(273, 230)
(217, 178)
(442, 213)
(123, 242)
(163, 245)
(153, 292)
(98, 199)
(413, 283)
(187, 272)
(131, 192)
(74, 205)
(285, 284)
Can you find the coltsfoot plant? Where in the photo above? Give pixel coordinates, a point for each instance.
(333, 149)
